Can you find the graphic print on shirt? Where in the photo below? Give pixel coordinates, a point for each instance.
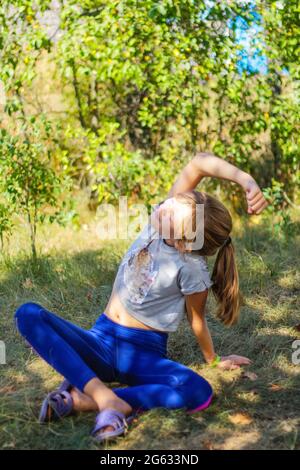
(139, 273)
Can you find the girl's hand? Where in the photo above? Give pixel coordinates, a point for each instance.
(233, 362)
(255, 198)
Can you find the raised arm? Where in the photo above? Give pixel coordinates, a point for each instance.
(207, 164)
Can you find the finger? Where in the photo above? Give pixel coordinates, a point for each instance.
(252, 192)
(244, 358)
(263, 207)
(254, 206)
(258, 206)
(241, 360)
(254, 198)
(230, 365)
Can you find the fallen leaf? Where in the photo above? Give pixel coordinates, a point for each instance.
(208, 445)
(8, 389)
(89, 296)
(249, 375)
(254, 392)
(59, 269)
(275, 387)
(240, 418)
(27, 284)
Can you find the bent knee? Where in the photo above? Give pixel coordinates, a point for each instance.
(200, 397)
(27, 313)
(194, 381)
(197, 390)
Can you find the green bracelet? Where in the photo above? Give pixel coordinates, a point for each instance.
(216, 361)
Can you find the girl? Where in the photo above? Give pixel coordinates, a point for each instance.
(159, 279)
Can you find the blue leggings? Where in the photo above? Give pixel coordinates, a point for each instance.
(114, 353)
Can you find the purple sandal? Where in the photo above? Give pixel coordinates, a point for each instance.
(57, 404)
(111, 417)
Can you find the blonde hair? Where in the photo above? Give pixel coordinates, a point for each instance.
(217, 227)
(216, 239)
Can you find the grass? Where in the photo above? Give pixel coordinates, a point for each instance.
(73, 278)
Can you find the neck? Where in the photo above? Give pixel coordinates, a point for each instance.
(168, 241)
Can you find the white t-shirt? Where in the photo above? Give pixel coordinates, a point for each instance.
(153, 290)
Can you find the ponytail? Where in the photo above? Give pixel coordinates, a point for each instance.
(226, 284)
(217, 227)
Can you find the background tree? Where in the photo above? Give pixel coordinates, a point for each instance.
(132, 89)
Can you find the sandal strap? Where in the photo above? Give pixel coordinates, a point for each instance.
(65, 386)
(60, 402)
(109, 417)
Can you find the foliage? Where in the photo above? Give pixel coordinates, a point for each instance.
(28, 180)
(6, 223)
(142, 86)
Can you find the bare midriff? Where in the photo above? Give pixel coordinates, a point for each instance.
(116, 311)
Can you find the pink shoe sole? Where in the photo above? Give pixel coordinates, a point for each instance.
(201, 407)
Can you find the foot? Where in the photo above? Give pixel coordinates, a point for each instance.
(82, 402)
(57, 404)
(119, 405)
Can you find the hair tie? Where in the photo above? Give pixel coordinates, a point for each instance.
(227, 241)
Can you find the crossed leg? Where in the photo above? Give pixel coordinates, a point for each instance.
(86, 360)
(75, 353)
